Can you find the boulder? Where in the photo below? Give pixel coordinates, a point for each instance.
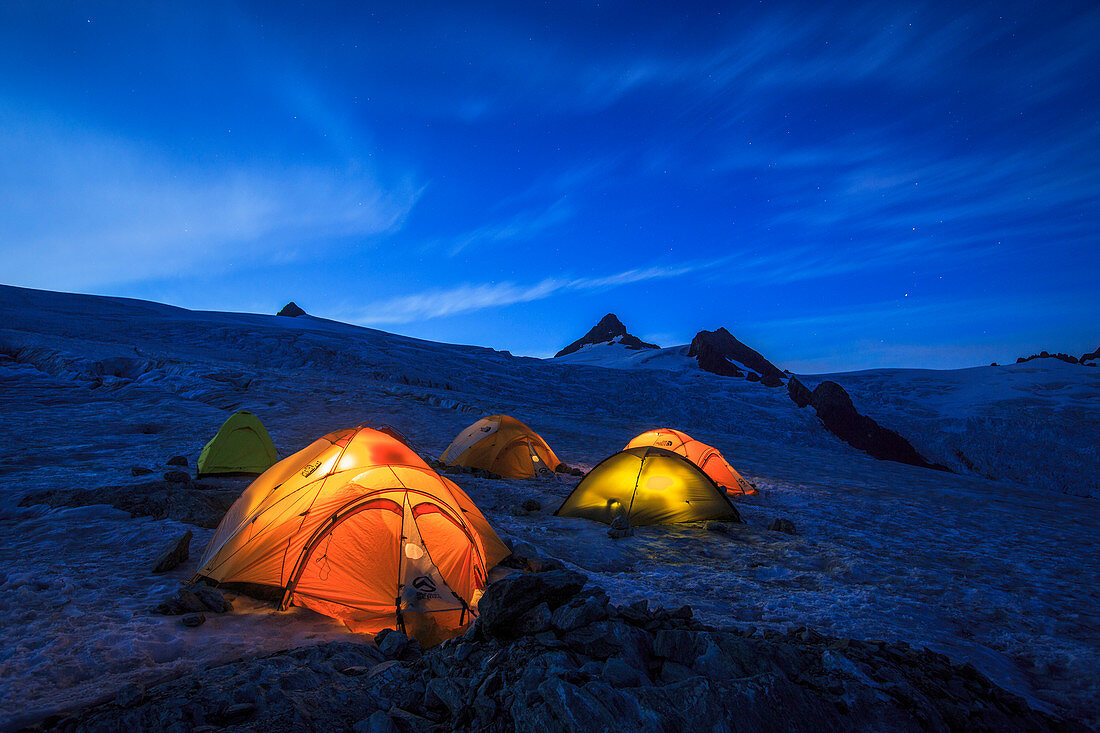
(194, 598)
(173, 553)
(581, 611)
(140, 471)
(506, 601)
(391, 643)
(620, 527)
(378, 722)
(531, 505)
(785, 526)
(177, 477)
(291, 310)
(178, 461)
(193, 619)
(607, 330)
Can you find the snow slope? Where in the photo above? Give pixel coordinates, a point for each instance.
(89, 387)
(1035, 424)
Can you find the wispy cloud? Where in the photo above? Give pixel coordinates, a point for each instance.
(475, 297)
(520, 227)
(80, 210)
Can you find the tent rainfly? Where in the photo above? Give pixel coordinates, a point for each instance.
(701, 454)
(502, 445)
(648, 485)
(356, 526)
(240, 447)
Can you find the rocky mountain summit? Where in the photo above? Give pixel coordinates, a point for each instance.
(609, 330)
(291, 309)
(720, 353)
(550, 654)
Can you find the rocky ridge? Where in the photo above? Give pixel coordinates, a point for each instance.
(609, 330)
(719, 352)
(550, 654)
(839, 416)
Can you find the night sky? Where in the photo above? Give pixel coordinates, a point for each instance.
(842, 187)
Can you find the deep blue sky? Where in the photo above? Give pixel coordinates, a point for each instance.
(842, 187)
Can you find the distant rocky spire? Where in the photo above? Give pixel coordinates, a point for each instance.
(291, 309)
(607, 330)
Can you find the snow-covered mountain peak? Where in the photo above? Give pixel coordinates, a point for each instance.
(610, 330)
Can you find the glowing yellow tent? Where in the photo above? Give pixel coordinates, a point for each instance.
(503, 445)
(648, 485)
(241, 446)
(356, 526)
(701, 454)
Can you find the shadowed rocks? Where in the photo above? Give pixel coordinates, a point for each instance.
(607, 330)
(720, 353)
(585, 665)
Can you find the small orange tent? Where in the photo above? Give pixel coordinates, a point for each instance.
(701, 454)
(503, 445)
(356, 526)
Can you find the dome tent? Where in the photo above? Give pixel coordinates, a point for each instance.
(356, 526)
(702, 455)
(241, 446)
(648, 485)
(503, 445)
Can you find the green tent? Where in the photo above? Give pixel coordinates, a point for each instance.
(242, 446)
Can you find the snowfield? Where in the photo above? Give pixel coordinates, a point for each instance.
(995, 565)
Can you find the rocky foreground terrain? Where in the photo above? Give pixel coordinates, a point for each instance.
(551, 653)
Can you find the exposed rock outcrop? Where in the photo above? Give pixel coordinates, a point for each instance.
(1046, 355)
(835, 409)
(720, 353)
(291, 309)
(1090, 359)
(585, 665)
(174, 553)
(609, 329)
(195, 503)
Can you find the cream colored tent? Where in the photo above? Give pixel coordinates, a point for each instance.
(503, 445)
(356, 526)
(701, 454)
(648, 485)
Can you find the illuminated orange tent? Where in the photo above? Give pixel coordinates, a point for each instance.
(503, 445)
(356, 526)
(701, 454)
(648, 485)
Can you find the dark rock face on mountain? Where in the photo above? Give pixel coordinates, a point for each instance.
(799, 393)
(607, 330)
(1094, 356)
(835, 409)
(720, 353)
(291, 309)
(575, 662)
(1046, 355)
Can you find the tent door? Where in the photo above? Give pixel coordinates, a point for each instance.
(541, 469)
(427, 607)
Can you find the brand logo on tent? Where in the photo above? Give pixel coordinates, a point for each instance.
(664, 442)
(424, 584)
(310, 468)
